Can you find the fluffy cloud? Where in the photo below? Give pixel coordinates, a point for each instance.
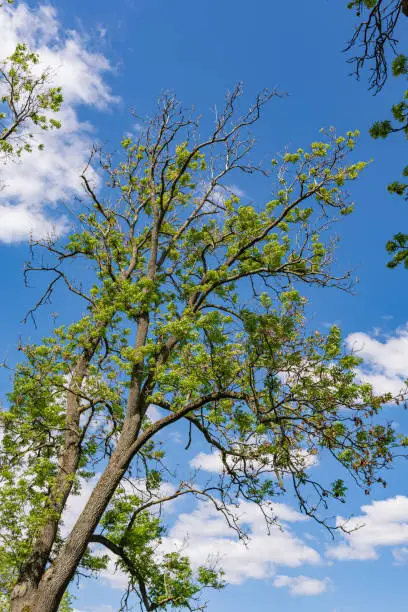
(34, 185)
(385, 363)
(301, 585)
(209, 462)
(382, 524)
(205, 535)
(212, 462)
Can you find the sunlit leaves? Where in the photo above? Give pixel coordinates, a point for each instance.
(192, 304)
(27, 103)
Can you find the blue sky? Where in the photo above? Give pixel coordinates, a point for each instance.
(114, 56)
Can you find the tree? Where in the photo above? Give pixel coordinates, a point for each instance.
(27, 103)
(375, 36)
(192, 307)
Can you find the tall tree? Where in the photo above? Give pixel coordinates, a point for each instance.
(375, 39)
(190, 305)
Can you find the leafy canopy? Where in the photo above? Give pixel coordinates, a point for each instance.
(192, 303)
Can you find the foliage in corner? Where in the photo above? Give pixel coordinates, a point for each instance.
(375, 38)
(27, 103)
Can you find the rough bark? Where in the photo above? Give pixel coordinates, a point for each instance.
(41, 584)
(47, 595)
(24, 592)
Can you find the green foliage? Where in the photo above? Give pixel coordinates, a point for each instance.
(381, 129)
(398, 248)
(400, 65)
(26, 102)
(210, 290)
(66, 604)
(167, 577)
(358, 4)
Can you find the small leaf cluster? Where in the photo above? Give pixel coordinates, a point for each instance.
(27, 102)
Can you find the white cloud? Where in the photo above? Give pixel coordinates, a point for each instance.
(221, 193)
(33, 186)
(112, 576)
(154, 413)
(176, 437)
(102, 31)
(212, 462)
(382, 524)
(78, 70)
(301, 585)
(400, 556)
(19, 222)
(76, 503)
(385, 363)
(209, 462)
(218, 195)
(204, 534)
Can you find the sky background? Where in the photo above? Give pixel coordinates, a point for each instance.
(111, 57)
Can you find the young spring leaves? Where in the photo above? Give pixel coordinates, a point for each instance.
(27, 103)
(193, 306)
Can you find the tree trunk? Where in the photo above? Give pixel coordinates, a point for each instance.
(47, 594)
